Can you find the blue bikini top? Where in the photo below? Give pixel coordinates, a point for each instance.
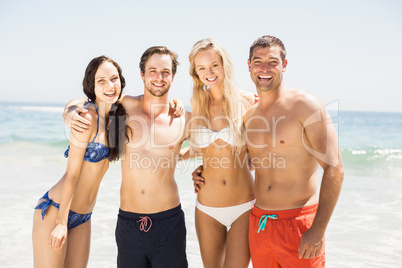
(95, 151)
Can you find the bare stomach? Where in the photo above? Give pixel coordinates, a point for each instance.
(275, 195)
(226, 189)
(148, 194)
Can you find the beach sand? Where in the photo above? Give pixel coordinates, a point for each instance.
(365, 229)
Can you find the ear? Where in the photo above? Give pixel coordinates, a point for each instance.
(249, 64)
(284, 65)
(142, 77)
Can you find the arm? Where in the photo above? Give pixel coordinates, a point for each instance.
(78, 144)
(75, 116)
(323, 145)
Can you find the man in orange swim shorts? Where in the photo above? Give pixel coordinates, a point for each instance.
(288, 133)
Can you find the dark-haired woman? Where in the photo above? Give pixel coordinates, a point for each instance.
(62, 218)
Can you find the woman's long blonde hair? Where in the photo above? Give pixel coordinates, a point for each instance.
(231, 98)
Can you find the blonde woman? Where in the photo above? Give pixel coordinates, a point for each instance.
(225, 197)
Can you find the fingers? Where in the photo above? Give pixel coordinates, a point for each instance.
(198, 180)
(177, 106)
(198, 170)
(309, 251)
(256, 98)
(56, 243)
(79, 123)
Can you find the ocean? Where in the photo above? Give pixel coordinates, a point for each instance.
(365, 229)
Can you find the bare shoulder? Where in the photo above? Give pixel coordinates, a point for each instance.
(250, 113)
(303, 103)
(131, 100)
(248, 97)
(187, 116)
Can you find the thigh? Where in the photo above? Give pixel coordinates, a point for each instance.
(237, 248)
(43, 255)
(289, 242)
(130, 244)
(79, 242)
(212, 239)
(169, 243)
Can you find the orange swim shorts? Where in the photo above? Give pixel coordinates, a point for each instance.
(274, 237)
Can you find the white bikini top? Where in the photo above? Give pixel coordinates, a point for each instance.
(203, 136)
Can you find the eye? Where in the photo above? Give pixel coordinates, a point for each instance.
(201, 69)
(101, 81)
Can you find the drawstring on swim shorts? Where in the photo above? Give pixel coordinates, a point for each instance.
(263, 221)
(144, 223)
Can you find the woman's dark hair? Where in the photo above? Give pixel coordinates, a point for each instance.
(116, 129)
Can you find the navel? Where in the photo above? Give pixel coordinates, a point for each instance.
(142, 191)
(282, 142)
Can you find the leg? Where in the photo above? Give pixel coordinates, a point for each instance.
(130, 243)
(168, 242)
(44, 256)
(212, 238)
(79, 242)
(237, 249)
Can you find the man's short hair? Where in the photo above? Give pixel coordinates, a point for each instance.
(268, 41)
(158, 50)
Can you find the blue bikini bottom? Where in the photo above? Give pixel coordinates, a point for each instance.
(74, 219)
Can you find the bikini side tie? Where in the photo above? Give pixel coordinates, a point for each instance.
(263, 221)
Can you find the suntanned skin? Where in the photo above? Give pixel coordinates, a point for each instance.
(53, 244)
(148, 166)
(293, 130)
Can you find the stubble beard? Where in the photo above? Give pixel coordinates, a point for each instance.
(156, 94)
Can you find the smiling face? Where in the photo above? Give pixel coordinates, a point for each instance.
(209, 68)
(158, 75)
(107, 83)
(266, 68)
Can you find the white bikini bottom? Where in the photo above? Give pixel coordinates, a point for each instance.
(225, 215)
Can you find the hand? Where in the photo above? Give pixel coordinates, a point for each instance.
(177, 106)
(256, 98)
(197, 179)
(311, 244)
(58, 237)
(80, 122)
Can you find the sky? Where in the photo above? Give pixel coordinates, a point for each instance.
(348, 53)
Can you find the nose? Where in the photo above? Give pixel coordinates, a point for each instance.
(210, 71)
(265, 66)
(111, 84)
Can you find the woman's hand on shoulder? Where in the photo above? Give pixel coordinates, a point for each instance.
(252, 98)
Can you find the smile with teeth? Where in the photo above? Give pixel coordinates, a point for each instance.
(111, 94)
(264, 77)
(158, 85)
(211, 79)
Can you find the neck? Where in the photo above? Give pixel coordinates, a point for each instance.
(103, 108)
(268, 98)
(155, 105)
(216, 94)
